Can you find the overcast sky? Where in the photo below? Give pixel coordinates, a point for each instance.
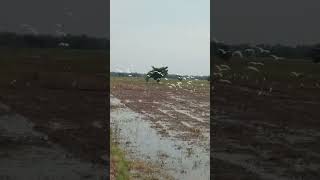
(268, 21)
(78, 16)
(174, 33)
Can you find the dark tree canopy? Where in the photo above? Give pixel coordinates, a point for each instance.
(157, 73)
(9, 39)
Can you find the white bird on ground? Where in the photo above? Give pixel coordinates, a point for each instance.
(179, 84)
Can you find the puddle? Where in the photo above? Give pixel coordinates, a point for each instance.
(180, 159)
(16, 126)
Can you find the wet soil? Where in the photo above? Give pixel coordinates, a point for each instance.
(63, 95)
(70, 117)
(165, 126)
(35, 155)
(73, 118)
(175, 112)
(135, 134)
(265, 135)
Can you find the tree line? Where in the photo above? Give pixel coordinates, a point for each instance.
(15, 40)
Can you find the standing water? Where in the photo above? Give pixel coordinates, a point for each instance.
(180, 159)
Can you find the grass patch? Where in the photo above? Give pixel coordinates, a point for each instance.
(121, 165)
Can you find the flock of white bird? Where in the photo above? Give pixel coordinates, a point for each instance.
(250, 52)
(223, 69)
(189, 85)
(59, 31)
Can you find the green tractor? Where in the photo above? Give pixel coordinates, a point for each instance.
(157, 73)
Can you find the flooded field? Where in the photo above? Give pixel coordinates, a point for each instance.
(161, 126)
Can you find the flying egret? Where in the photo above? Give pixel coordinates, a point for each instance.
(296, 74)
(276, 57)
(225, 81)
(237, 53)
(253, 68)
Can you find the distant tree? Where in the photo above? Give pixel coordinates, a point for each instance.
(157, 73)
(10, 39)
(315, 54)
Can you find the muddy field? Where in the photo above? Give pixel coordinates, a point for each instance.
(266, 123)
(171, 121)
(170, 105)
(63, 99)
